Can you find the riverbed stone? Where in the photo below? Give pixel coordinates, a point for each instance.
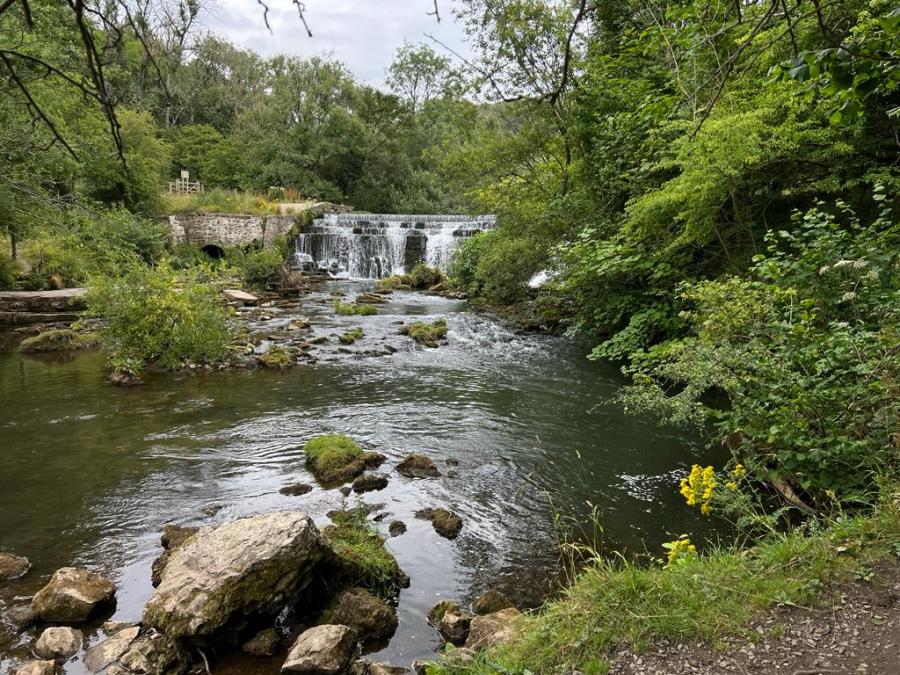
(250, 565)
(109, 651)
(454, 625)
(73, 595)
(173, 537)
(22, 616)
(13, 566)
(370, 617)
(446, 523)
(36, 668)
(418, 466)
(368, 482)
(321, 650)
(58, 642)
(373, 460)
(490, 601)
(152, 653)
(296, 490)
(492, 629)
(264, 643)
(396, 528)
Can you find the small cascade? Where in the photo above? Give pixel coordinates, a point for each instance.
(373, 246)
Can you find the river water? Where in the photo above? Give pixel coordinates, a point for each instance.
(525, 431)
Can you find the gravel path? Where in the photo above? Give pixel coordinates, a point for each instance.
(857, 632)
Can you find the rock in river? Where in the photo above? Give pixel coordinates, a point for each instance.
(12, 566)
(110, 650)
(172, 538)
(73, 595)
(296, 490)
(368, 482)
(490, 601)
(59, 642)
(491, 629)
(322, 650)
(36, 668)
(446, 523)
(250, 565)
(418, 466)
(373, 619)
(264, 643)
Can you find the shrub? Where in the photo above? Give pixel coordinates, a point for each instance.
(157, 316)
(258, 268)
(9, 272)
(220, 201)
(495, 266)
(423, 276)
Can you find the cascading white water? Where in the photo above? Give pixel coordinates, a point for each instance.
(371, 246)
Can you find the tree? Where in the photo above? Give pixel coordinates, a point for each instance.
(418, 75)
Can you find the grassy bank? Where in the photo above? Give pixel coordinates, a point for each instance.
(615, 604)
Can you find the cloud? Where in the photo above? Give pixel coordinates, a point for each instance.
(364, 34)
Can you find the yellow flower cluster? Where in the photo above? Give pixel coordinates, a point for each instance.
(698, 487)
(680, 548)
(737, 473)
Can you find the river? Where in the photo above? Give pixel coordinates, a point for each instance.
(525, 430)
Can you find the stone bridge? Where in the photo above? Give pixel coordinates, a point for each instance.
(214, 232)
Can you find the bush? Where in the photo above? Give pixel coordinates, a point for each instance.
(9, 272)
(423, 276)
(156, 316)
(258, 268)
(495, 266)
(220, 201)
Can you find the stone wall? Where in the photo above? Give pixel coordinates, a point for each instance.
(225, 230)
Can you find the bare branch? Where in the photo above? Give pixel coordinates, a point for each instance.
(300, 9)
(436, 13)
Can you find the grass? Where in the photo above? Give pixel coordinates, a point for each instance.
(218, 200)
(58, 340)
(352, 309)
(615, 604)
(360, 554)
(329, 457)
(426, 333)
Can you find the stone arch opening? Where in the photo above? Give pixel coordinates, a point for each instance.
(213, 251)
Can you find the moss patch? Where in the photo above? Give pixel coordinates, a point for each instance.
(358, 555)
(334, 458)
(276, 358)
(353, 309)
(428, 334)
(352, 336)
(58, 340)
(397, 282)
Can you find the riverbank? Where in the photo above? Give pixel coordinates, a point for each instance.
(817, 603)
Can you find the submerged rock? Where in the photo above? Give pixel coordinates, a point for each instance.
(250, 565)
(58, 642)
(371, 618)
(446, 523)
(36, 668)
(492, 629)
(73, 595)
(368, 482)
(264, 643)
(173, 537)
(13, 566)
(418, 466)
(124, 378)
(22, 616)
(322, 650)
(490, 601)
(109, 651)
(296, 490)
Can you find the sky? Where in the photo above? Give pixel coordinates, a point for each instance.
(364, 34)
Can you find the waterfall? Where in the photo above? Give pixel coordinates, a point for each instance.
(372, 246)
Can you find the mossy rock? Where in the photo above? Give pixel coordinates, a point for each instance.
(275, 358)
(352, 336)
(357, 556)
(369, 616)
(353, 309)
(58, 340)
(428, 334)
(397, 282)
(334, 458)
(446, 523)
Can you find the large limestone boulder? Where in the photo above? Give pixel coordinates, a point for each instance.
(371, 618)
(250, 565)
(492, 629)
(73, 595)
(173, 537)
(12, 566)
(59, 642)
(37, 668)
(322, 650)
(109, 651)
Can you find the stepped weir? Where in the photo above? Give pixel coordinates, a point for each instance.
(372, 246)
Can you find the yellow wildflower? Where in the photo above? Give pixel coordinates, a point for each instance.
(731, 485)
(738, 471)
(680, 549)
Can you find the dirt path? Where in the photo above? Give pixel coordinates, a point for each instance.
(858, 633)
